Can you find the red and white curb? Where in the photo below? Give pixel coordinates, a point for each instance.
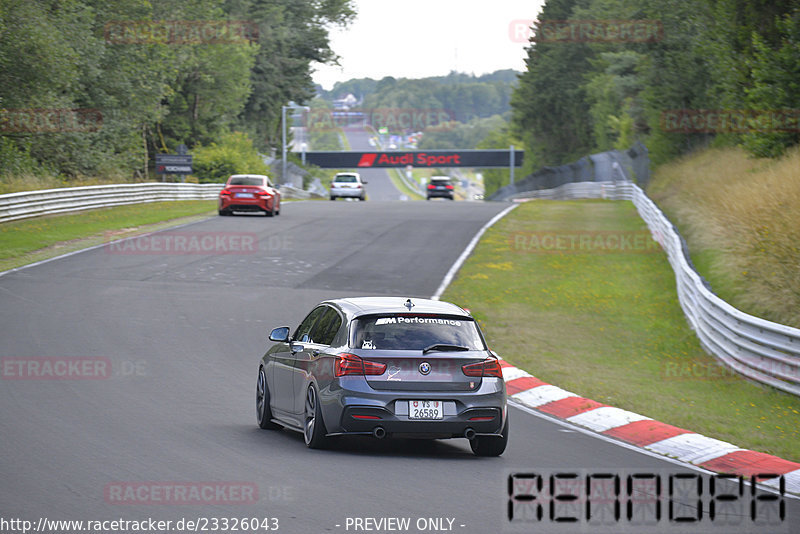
(667, 440)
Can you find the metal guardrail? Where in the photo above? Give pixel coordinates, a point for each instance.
(27, 204)
(760, 350)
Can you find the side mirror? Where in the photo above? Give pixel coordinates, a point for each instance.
(280, 335)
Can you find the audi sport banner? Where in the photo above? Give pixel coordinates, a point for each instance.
(415, 158)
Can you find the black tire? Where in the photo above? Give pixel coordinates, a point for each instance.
(224, 213)
(490, 445)
(270, 212)
(314, 430)
(362, 199)
(263, 412)
(333, 197)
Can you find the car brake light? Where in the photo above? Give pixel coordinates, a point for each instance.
(486, 368)
(350, 364)
(449, 187)
(431, 186)
(224, 192)
(263, 193)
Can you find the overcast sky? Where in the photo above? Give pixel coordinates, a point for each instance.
(419, 38)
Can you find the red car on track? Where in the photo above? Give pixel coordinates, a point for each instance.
(249, 192)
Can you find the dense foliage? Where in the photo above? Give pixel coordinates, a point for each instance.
(581, 95)
(154, 89)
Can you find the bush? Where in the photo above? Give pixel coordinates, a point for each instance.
(234, 154)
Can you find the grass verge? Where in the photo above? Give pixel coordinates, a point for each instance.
(31, 240)
(557, 298)
(400, 184)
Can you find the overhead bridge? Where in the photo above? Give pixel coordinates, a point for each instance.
(416, 158)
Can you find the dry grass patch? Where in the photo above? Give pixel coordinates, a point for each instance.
(741, 218)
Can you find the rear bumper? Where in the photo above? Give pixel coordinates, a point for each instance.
(243, 204)
(351, 193)
(358, 409)
(365, 419)
(440, 194)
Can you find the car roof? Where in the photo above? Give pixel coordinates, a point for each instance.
(357, 306)
(440, 178)
(248, 176)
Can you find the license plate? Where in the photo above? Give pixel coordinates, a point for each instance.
(425, 409)
(244, 195)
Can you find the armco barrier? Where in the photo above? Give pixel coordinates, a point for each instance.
(15, 206)
(761, 350)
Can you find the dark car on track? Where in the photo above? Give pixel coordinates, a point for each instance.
(384, 366)
(249, 192)
(440, 187)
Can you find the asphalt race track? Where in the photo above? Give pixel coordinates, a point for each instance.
(183, 333)
(379, 186)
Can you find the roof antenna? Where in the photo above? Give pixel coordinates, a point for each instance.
(409, 304)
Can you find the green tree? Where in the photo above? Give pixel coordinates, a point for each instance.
(550, 107)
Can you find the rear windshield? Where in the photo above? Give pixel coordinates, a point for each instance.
(246, 181)
(414, 332)
(346, 178)
(440, 180)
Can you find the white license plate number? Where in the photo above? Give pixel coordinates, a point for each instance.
(244, 195)
(425, 409)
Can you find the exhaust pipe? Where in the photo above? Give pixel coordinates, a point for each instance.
(379, 432)
(469, 434)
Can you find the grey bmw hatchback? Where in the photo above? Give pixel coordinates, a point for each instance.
(383, 367)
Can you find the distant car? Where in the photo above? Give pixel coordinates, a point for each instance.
(382, 367)
(440, 187)
(249, 192)
(348, 185)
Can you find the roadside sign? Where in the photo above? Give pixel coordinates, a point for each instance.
(173, 164)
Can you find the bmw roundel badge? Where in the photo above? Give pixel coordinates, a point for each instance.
(424, 368)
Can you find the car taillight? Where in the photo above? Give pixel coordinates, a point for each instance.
(350, 364)
(431, 186)
(263, 194)
(449, 187)
(224, 192)
(486, 368)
